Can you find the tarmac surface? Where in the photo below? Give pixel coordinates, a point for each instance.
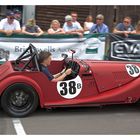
(114, 119)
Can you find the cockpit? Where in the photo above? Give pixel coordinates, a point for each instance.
(28, 61)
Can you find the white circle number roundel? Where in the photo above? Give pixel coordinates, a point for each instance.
(133, 70)
(70, 89)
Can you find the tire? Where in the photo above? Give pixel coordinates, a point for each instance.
(19, 100)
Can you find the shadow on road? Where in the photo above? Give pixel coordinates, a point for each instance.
(108, 109)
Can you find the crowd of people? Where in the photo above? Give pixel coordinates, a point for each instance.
(12, 24)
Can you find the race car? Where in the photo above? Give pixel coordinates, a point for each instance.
(24, 87)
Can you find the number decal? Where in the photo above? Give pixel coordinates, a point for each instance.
(70, 89)
(136, 69)
(64, 88)
(133, 70)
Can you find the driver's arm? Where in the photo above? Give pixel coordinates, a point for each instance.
(61, 77)
(59, 74)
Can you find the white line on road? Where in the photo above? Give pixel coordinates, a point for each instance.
(18, 127)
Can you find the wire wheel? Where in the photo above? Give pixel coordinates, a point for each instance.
(19, 100)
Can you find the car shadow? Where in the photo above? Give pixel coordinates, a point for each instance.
(96, 110)
(108, 109)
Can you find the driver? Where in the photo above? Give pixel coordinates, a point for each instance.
(45, 61)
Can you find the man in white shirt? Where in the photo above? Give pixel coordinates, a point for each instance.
(74, 16)
(9, 25)
(72, 28)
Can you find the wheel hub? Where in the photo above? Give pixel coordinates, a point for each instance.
(19, 98)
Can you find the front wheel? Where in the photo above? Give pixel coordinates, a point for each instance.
(19, 100)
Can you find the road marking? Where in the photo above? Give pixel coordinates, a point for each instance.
(18, 127)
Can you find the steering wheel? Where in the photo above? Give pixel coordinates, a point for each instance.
(75, 69)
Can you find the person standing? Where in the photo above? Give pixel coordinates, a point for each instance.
(31, 28)
(74, 16)
(138, 28)
(125, 27)
(72, 28)
(18, 16)
(9, 25)
(55, 28)
(88, 24)
(99, 27)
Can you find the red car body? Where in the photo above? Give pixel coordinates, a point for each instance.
(99, 83)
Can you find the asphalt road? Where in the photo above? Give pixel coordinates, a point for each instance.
(116, 119)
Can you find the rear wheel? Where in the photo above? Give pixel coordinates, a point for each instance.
(19, 100)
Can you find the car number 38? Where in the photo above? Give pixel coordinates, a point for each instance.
(70, 89)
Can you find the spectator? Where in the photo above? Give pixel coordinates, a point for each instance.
(18, 15)
(138, 28)
(55, 28)
(72, 28)
(88, 24)
(31, 28)
(99, 27)
(74, 16)
(9, 25)
(125, 27)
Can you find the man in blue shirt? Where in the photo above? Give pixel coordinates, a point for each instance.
(99, 27)
(125, 27)
(45, 61)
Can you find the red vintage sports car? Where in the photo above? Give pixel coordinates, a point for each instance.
(23, 86)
